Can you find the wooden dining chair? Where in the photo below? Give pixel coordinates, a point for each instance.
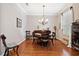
(8, 47)
(36, 36)
(28, 34)
(54, 35)
(45, 37)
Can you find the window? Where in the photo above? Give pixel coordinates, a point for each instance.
(66, 21)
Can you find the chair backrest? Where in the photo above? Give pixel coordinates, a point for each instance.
(27, 32)
(3, 40)
(46, 32)
(53, 34)
(36, 31)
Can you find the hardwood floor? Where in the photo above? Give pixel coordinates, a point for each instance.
(27, 48)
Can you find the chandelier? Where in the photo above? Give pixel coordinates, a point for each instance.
(43, 21)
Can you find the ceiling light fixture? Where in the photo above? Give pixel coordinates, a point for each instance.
(43, 21)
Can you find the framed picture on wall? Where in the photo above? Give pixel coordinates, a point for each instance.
(19, 22)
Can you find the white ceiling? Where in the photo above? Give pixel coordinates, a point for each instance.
(37, 9)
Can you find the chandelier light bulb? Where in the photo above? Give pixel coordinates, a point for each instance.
(46, 20)
(43, 21)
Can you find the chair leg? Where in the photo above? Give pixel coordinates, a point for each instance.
(6, 52)
(33, 40)
(52, 41)
(17, 50)
(42, 44)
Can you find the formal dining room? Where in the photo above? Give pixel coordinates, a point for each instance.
(39, 29)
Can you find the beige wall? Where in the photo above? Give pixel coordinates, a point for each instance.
(8, 14)
(0, 26)
(32, 22)
(76, 11)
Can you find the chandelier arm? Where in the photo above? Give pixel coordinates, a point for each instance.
(43, 21)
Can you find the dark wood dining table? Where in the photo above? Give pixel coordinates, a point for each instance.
(43, 36)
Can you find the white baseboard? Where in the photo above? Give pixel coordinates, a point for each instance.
(21, 41)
